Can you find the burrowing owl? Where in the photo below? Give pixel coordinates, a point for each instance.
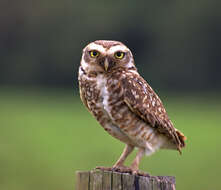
(123, 102)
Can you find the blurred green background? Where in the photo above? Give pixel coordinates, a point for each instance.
(46, 134)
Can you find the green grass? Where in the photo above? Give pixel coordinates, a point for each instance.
(46, 135)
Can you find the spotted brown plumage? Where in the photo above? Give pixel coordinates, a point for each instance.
(123, 102)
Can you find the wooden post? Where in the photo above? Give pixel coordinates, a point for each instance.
(108, 180)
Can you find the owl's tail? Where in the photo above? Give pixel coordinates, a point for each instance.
(182, 139)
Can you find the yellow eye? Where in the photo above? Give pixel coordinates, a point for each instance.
(119, 55)
(94, 53)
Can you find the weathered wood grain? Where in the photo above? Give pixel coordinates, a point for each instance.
(156, 183)
(144, 183)
(108, 180)
(96, 180)
(128, 181)
(117, 181)
(82, 180)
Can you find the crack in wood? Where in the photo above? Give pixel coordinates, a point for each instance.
(136, 183)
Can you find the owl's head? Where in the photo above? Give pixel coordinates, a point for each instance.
(106, 56)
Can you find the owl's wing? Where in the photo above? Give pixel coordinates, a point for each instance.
(144, 102)
(82, 96)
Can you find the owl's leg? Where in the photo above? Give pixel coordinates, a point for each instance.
(119, 165)
(136, 162)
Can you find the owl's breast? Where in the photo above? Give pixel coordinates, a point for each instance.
(98, 94)
(101, 99)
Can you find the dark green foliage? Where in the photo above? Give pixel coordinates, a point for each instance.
(176, 44)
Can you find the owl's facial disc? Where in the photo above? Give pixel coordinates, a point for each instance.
(106, 56)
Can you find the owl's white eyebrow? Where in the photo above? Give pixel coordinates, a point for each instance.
(99, 48)
(117, 48)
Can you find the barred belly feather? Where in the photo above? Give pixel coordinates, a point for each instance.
(117, 119)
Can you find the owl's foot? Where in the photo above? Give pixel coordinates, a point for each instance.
(104, 168)
(122, 169)
(141, 173)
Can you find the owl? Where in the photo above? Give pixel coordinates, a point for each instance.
(124, 103)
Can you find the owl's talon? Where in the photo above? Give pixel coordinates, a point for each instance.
(122, 169)
(141, 173)
(104, 168)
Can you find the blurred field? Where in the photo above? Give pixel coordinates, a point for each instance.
(46, 135)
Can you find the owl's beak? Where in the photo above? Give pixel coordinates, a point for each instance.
(106, 64)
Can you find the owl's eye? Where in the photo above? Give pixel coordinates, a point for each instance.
(119, 55)
(94, 53)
